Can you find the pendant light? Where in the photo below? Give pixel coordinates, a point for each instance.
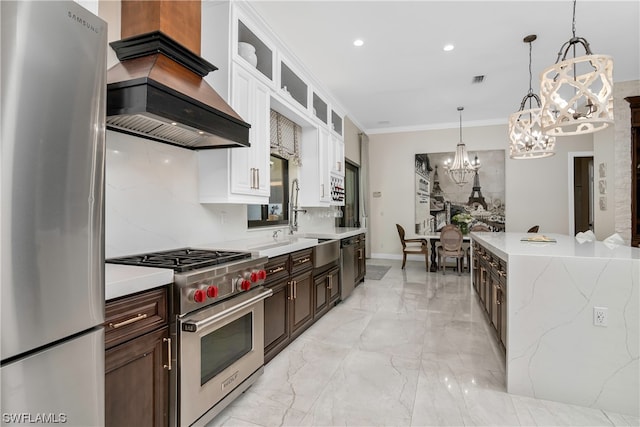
(577, 93)
(461, 169)
(526, 139)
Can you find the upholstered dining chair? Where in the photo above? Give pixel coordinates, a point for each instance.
(450, 247)
(413, 246)
(481, 228)
(533, 229)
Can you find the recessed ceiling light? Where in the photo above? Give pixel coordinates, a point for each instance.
(448, 47)
(358, 42)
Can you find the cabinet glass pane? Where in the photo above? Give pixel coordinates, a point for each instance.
(263, 53)
(336, 122)
(291, 83)
(319, 108)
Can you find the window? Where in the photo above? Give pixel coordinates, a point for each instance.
(276, 212)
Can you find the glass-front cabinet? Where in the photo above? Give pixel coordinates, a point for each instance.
(257, 73)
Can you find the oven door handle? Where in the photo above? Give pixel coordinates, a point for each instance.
(188, 326)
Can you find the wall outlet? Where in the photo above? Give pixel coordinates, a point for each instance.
(600, 316)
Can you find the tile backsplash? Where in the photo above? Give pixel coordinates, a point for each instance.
(152, 201)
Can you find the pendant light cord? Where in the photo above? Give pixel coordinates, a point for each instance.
(573, 24)
(530, 75)
(460, 109)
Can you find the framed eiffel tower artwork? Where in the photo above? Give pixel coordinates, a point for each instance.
(438, 199)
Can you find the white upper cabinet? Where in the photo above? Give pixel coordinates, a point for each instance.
(241, 175)
(257, 73)
(315, 183)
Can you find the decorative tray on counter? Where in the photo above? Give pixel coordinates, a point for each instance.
(538, 238)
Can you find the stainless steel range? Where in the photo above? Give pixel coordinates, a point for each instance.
(218, 333)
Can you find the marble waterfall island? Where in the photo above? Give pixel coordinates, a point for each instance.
(553, 349)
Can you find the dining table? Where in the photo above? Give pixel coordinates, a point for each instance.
(434, 237)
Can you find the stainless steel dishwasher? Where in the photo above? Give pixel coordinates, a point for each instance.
(347, 266)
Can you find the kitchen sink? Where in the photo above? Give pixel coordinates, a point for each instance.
(282, 246)
(273, 244)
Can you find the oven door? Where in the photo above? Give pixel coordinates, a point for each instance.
(220, 347)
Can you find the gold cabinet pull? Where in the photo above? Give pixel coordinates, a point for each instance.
(295, 289)
(139, 317)
(330, 282)
(498, 292)
(168, 341)
(276, 270)
(303, 260)
(290, 284)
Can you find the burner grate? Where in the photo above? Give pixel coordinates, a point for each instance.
(181, 260)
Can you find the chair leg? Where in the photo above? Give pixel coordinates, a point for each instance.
(404, 259)
(460, 262)
(441, 263)
(426, 260)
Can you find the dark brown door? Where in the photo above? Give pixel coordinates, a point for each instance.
(321, 305)
(137, 383)
(276, 320)
(334, 284)
(583, 193)
(301, 302)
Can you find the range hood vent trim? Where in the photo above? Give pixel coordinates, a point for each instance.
(157, 92)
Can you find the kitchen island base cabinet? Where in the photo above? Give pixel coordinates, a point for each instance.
(490, 282)
(137, 361)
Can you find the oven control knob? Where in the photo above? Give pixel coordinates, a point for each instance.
(243, 284)
(199, 295)
(262, 274)
(212, 291)
(254, 276)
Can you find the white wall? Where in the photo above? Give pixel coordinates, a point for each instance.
(351, 141)
(604, 153)
(536, 190)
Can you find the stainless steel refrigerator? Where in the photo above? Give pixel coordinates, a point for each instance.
(52, 92)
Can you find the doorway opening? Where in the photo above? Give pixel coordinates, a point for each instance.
(351, 209)
(581, 192)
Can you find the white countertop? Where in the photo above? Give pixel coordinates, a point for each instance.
(505, 244)
(264, 246)
(121, 280)
(336, 233)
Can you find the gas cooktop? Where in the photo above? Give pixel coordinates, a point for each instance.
(181, 260)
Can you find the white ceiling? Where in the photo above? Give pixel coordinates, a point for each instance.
(402, 79)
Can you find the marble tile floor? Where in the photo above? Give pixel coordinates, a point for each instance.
(412, 349)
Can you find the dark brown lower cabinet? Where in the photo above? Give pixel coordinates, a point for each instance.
(301, 303)
(136, 382)
(490, 282)
(137, 360)
(327, 291)
(289, 311)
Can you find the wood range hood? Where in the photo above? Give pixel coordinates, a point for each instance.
(157, 90)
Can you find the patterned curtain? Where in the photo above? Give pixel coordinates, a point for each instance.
(285, 138)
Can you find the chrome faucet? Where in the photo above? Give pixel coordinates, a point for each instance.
(293, 207)
(275, 234)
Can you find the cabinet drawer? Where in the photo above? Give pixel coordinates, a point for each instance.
(277, 268)
(131, 316)
(301, 261)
